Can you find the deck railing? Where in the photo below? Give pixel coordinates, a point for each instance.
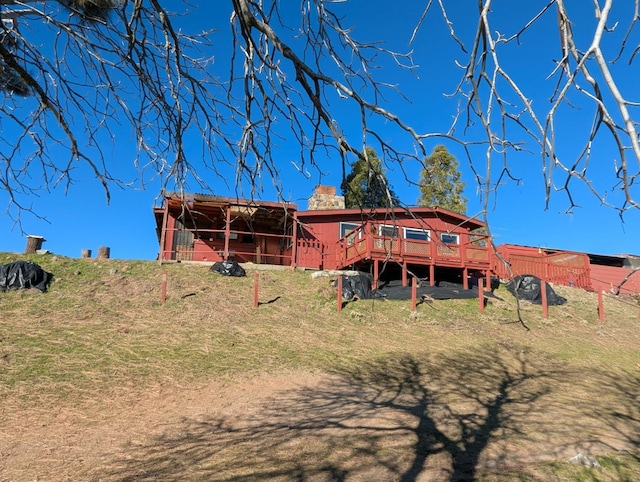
(362, 244)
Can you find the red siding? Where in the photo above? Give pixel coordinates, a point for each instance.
(319, 238)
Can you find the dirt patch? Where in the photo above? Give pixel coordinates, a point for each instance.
(400, 419)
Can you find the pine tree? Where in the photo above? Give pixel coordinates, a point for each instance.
(440, 184)
(366, 186)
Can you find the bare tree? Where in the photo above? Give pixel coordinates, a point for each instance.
(73, 71)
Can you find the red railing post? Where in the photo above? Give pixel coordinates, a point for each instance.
(543, 294)
(481, 294)
(256, 277)
(163, 290)
(339, 293)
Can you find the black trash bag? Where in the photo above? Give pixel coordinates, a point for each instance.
(528, 288)
(228, 268)
(24, 275)
(356, 285)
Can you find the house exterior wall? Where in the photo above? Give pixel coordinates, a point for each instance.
(319, 234)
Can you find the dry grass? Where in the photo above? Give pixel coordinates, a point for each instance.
(465, 393)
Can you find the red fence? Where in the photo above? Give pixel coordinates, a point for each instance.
(563, 267)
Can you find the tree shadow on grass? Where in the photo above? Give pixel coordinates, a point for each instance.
(400, 418)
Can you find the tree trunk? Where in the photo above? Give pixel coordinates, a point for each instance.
(34, 243)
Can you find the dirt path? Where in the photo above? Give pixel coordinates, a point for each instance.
(292, 426)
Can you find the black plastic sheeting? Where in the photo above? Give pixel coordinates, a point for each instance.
(356, 285)
(360, 285)
(24, 275)
(228, 268)
(528, 287)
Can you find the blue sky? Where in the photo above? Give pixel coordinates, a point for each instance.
(80, 218)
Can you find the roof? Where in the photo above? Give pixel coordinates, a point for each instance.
(411, 211)
(213, 200)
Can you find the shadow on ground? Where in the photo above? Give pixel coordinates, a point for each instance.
(451, 418)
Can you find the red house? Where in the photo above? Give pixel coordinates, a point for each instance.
(430, 241)
(433, 242)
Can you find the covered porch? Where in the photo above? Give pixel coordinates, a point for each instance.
(199, 227)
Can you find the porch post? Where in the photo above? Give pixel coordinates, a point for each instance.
(294, 240)
(227, 233)
(465, 278)
(163, 234)
(432, 274)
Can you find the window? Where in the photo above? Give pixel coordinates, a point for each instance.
(349, 229)
(449, 238)
(388, 231)
(419, 234)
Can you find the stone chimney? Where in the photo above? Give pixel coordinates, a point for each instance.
(325, 198)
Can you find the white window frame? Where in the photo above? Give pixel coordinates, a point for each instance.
(453, 236)
(423, 232)
(344, 231)
(393, 228)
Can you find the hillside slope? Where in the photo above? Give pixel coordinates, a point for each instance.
(100, 380)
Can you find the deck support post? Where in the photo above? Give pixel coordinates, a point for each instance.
(432, 275)
(376, 273)
(404, 273)
(465, 278)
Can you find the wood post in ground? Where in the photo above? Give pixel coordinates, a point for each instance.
(86, 253)
(256, 277)
(600, 306)
(339, 293)
(104, 252)
(545, 303)
(481, 294)
(34, 243)
(163, 291)
(414, 289)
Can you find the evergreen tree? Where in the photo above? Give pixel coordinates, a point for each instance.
(366, 186)
(440, 184)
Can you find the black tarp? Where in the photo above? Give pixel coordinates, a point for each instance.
(356, 285)
(228, 268)
(361, 283)
(528, 287)
(24, 275)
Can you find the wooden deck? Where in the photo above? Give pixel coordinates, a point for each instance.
(363, 246)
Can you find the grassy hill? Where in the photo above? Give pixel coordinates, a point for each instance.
(481, 389)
